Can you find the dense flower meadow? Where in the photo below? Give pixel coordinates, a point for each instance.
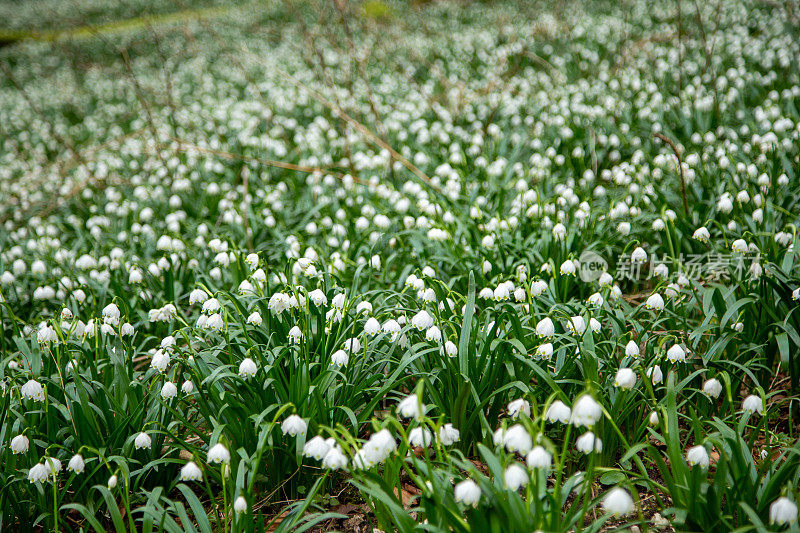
(448, 267)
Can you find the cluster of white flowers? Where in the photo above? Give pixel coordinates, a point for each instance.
(278, 258)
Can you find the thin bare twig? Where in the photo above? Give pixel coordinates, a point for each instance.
(186, 146)
(356, 124)
(672, 145)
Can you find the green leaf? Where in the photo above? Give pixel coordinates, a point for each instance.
(466, 327)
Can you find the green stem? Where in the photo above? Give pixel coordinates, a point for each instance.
(224, 496)
(55, 503)
(127, 499)
(560, 470)
(587, 487)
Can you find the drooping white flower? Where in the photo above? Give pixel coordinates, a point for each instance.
(255, 319)
(211, 305)
(739, 246)
(278, 303)
(379, 446)
(701, 234)
(32, 390)
(538, 287)
(632, 349)
(392, 327)
(655, 302)
(46, 334)
(433, 334)
(112, 482)
(517, 439)
(756, 269)
(655, 374)
(295, 335)
(247, 368)
(414, 282)
(293, 426)
(334, 459)
(697, 455)
(449, 435)
(420, 436)
(545, 328)
(501, 293)
(372, 326)
(318, 297)
(467, 492)
(422, 320)
(191, 472)
(498, 436)
(576, 325)
(135, 276)
(338, 301)
(39, 473)
(515, 476)
(218, 454)
(160, 360)
(19, 444)
(712, 388)
(558, 412)
(53, 465)
(638, 256)
(625, 378)
(240, 505)
(595, 300)
(568, 268)
(169, 390)
(615, 294)
(450, 349)
(316, 448)
(76, 464)
(559, 231)
(410, 406)
(340, 358)
(782, 511)
(352, 345)
(545, 351)
(586, 411)
(538, 457)
(215, 322)
(725, 203)
(111, 314)
(252, 261)
(520, 405)
(753, 404)
(618, 502)
(605, 279)
(588, 443)
(142, 441)
(676, 354)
